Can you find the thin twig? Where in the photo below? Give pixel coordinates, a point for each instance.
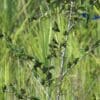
(63, 55)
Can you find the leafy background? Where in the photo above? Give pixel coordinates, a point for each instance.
(49, 50)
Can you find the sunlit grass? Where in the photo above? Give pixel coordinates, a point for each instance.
(32, 40)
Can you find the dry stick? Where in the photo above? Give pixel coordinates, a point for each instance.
(63, 56)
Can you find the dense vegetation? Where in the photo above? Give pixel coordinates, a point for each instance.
(49, 49)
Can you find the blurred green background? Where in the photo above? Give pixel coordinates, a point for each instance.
(48, 50)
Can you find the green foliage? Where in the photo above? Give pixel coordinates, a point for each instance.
(48, 50)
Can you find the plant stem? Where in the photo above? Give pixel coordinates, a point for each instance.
(64, 54)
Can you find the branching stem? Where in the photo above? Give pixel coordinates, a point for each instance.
(64, 54)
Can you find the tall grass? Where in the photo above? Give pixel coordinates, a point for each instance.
(48, 50)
